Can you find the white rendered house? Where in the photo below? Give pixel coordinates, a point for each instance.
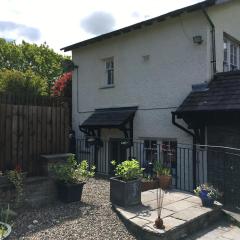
(127, 82)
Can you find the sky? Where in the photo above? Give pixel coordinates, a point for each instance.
(60, 23)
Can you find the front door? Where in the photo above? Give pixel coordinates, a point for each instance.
(117, 152)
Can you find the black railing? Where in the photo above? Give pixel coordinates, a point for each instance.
(177, 157)
(219, 166)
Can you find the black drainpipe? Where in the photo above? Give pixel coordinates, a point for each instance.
(213, 61)
(194, 148)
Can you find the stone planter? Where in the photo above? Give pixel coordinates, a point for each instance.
(165, 181)
(148, 185)
(69, 192)
(8, 231)
(125, 193)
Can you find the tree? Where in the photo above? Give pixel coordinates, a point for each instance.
(41, 60)
(27, 83)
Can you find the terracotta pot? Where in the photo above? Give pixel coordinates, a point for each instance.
(148, 185)
(165, 181)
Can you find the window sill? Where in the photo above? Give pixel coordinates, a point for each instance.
(107, 86)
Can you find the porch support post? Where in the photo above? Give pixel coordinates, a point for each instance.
(194, 162)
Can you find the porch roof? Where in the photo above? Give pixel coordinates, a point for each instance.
(109, 117)
(221, 95)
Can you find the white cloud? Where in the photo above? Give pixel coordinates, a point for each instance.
(7, 28)
(59, 20)
(98, 23)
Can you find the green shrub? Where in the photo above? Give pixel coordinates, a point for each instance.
(160, 169)
(128, 170)
(72, 172)
(22, 83)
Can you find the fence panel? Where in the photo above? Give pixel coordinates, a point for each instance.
(29, 127)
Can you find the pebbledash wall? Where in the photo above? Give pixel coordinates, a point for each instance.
(154, 69)
(157, 85)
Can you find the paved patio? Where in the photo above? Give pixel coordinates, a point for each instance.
(182, 215)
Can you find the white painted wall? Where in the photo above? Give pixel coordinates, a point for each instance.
(226, 18)
(162, 82)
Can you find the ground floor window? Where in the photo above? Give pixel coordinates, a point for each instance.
(163, 150)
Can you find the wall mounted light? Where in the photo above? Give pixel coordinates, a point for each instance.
(146, 58)
(197, 39)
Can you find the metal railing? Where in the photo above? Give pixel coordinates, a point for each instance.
(190, 166)
(177, 157)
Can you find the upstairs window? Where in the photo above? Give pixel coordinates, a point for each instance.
(231, 61)
(109, 68)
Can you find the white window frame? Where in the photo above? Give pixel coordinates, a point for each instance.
(109, 71)
(159, 146)
(231, 54)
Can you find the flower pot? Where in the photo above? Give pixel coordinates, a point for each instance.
(148, 185)
(124, 193)
(206, 201)
(165, 181)
(8, 231)
(69, 192)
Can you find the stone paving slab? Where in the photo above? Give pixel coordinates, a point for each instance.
(180, 206)
(191, 213)
(152, 215)
(179, 209)
(194, 199)
(221, 231)
(148, 196)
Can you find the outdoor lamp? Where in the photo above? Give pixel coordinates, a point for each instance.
(197, 39)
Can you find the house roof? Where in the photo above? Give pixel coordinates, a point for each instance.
(109, 117)
(203, 4)
(222, 94)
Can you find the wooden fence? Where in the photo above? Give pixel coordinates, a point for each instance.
(31, 126)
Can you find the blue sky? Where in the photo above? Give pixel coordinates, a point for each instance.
(61, 23)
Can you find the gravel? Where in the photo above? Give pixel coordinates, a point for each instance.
(92, 218)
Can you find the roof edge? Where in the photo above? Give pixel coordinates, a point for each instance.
(136, 26)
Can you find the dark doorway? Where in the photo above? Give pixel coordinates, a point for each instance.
(117, 152)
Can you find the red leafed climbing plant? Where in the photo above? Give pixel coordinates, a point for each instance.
(63, 85)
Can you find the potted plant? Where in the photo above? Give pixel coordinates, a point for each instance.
(148, 183)
(70, 179)
(125, 188)
(208, 194)
(16, 178)
(163, 174)
(5, 228)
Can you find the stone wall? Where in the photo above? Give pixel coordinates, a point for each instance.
(38, 191)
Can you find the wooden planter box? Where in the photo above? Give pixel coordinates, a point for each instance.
(148, 185)
(125, 193)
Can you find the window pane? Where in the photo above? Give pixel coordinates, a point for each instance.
(225, 51)
(150, 148)
(169, 149)
(109, 72)
(231, 59)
